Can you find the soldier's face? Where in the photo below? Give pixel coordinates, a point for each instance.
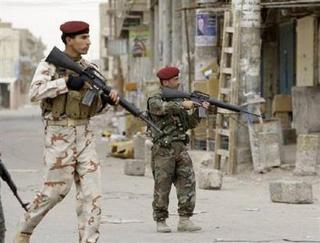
(80, 43)
(172, 83)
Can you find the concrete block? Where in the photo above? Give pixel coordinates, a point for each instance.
(266, 144)
(138, 145)
(198, 157)
(307, 156)
(306, 109)
(134, 167)
(147, 151)
(210, 179)
(296, 192)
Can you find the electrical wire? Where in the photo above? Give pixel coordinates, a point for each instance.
(28, 3)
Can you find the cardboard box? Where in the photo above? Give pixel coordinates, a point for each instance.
(131, 86)
(281, 103)
(213, 86)
(210, 87)
(200, 86)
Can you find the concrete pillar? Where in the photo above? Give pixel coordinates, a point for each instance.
(306, 120)
(177, 28)
(188, 20)
(138, 142)
(147, 152)
(148, 155)
(247, 15)
(210, 179)
(165, 41)
(266, 145)
(307, 157)
(14, 94)
(134, 167)
(155, 30)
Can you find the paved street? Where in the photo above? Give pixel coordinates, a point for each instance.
(240, 212)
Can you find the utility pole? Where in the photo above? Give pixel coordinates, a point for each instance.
(177, 28)
(187, 42)
(165, 30)
(247, 17)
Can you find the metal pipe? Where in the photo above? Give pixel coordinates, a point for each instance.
(291, 5)
(188, 48)
(291, 2)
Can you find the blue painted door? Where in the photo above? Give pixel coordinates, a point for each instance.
(287, 56)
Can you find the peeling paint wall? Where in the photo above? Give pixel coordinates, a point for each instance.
(250, 46)
(247, 16)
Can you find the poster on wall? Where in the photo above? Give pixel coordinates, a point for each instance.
(139, 42)
(206, 32)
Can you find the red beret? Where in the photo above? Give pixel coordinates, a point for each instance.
(167, 73)
(75, 27)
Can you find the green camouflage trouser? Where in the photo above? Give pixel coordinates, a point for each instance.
(172, 165)
(69, 157)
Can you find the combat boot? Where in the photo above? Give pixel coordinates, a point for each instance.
(185, 224)
(162, 227)
(22, 238)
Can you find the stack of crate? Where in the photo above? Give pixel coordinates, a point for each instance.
(282, 109)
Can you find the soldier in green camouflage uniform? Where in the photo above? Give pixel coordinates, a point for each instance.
(171, 164)
(70, 154)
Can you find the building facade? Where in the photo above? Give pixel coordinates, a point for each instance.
(20, 53)
(278, 52)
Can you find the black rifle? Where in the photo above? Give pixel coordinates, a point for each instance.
(199, 97)
(7, 178)
(96, 81)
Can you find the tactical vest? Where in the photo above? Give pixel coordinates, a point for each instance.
(173, 125)
(69, 104)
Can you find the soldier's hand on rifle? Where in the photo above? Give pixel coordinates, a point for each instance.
(75, 82)
(114, 97)
(205, 105)
(187, 104)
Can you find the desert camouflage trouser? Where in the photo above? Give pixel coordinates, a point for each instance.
(172, 165)
(69, 157)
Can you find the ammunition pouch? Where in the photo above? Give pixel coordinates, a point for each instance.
(70, 104)
(167, 140)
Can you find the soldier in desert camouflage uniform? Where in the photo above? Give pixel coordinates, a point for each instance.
(69, 154)
(171, 164)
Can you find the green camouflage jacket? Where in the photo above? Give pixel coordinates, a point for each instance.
(171, 118)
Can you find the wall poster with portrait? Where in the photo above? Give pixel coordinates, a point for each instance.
(139, 42)
(206, 28)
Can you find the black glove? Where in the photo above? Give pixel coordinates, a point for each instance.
(75, 82)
